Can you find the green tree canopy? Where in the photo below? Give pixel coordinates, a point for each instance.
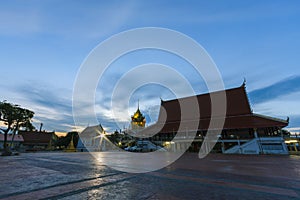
(14, 117)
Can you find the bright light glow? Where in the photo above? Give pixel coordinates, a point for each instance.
(291, 141)
(167, 143)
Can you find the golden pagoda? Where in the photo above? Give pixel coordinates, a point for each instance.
(138, 121)
(70, 147)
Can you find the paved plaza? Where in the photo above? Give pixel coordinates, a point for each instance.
(80, 176)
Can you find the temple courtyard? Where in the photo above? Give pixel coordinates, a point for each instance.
(217, 176)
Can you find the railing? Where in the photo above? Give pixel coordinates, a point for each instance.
(293, 136)
(260, 145)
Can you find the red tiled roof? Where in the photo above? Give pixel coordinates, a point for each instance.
(238, 114)
(36, 138)
(237, 104)
(234, 122)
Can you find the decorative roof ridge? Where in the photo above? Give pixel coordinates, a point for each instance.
(271, 118)
(244, 83)
(208, 93)
(248, 101)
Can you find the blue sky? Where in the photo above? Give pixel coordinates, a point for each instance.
(43, 44)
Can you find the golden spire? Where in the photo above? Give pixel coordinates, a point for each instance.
(137, 119)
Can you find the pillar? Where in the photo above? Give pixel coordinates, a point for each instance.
(295, 147)
(255, 133)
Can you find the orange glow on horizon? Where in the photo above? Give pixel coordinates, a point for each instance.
(60, 134)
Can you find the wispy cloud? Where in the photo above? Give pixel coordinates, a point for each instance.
(280, 99)
(67, 19)
(281, 88)
(52, 105)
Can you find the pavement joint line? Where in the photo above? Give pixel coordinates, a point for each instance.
(236, 185)
(60, 196)
(60, 161)
(57, 185)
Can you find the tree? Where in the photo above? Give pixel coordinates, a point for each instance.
(285, 132)
(116, 137)
(64, 141)
(14, 117)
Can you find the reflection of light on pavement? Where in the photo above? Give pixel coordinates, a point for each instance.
(127, 162)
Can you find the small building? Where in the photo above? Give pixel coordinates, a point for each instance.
(244, 132)
(38, 140)
(13, 141)
(93, 139)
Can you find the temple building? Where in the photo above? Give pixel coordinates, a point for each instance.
(37, 140)
(244, 132)
(91, 138)
(138, 121)
(94, 139)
